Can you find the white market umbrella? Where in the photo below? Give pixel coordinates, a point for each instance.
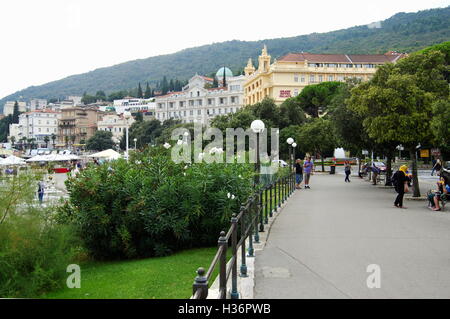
(37, 158)
(107, 154)
(13, 160)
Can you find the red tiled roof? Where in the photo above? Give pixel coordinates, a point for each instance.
(342, 58)
(207, 78)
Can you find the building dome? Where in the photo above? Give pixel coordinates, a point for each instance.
(228, 73)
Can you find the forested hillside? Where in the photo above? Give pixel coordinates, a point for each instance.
(403, 32)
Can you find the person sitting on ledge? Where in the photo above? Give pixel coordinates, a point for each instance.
(443, 189)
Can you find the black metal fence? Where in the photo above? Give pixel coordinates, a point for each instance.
(253, 215)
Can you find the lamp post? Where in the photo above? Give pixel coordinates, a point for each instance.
(290, 140)
(257, 126)
(135, 140)
(294, 145)
(127, 116)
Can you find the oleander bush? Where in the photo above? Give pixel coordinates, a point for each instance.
(152, 206)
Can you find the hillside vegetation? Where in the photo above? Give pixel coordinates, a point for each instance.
(405, 32)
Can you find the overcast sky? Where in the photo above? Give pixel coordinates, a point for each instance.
(46, 40)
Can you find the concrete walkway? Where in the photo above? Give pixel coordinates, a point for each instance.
(322, 242)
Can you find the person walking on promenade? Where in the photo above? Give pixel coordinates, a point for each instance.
(347, 170)
(41, 188)
(375, 172)
(298, 173)
(308, 168)
(400, 180)
(436, 167)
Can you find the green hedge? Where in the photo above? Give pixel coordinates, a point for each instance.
(152, 206)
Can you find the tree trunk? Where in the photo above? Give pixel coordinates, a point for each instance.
(388, 170)
(359, 167)
(415, 179)
(323, 165)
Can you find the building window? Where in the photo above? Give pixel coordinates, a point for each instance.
(199, 102)
(320, 78)
(222, 100)
(191, 102)
(302, 78)
(191, 112)
(181, 104)
(296, 78)
(199, 112)
(312, 78)
(171, 105)
(295, 92)
(330, 78)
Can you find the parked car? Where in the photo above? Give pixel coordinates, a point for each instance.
(281, 163)
(381, 166)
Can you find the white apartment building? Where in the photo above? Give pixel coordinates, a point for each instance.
(197, 103)
(37, 104)
(8, 108)
(37, 125)
(114, 123)
(134, 105)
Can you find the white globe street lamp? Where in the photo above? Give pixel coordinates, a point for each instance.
(127, 116)
(135, 140)
(257, 126)
(290, 140)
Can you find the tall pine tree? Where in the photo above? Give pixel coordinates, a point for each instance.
(139, 91)
(148, 92)
(224, 78)
(16, 113)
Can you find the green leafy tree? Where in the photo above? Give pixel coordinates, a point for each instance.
(317, 137)
(314, 99)
(53, 137)
(397, 103)
(100, 141)
(440, 124)
(46, 140)
(100, 95)
(291, 113)
(88, 99)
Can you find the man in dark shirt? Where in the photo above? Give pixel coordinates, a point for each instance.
(399, 180)
(298, 173)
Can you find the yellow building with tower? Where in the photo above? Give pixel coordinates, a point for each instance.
(287, 76)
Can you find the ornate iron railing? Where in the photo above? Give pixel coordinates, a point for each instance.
(252, 217)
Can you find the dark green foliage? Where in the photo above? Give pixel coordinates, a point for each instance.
(4, 127)
(102, 140)
(152, 206)
(314, 99)
(16, 113)
(88, 99)
(34, 250)
(139, 91)
(404, 32)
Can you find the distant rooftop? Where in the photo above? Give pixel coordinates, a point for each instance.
(390, 56)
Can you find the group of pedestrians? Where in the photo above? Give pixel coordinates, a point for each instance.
(303, 170)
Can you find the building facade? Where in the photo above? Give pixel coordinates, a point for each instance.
(116, 124)
(36, 125)
(77, 124)
(198, 102)
(287, 76)
(134, 105)
(37, 104)
(8, 108)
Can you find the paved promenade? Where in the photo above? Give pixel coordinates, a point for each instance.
(322, 242)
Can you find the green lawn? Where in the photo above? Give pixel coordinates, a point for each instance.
(161, 278)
